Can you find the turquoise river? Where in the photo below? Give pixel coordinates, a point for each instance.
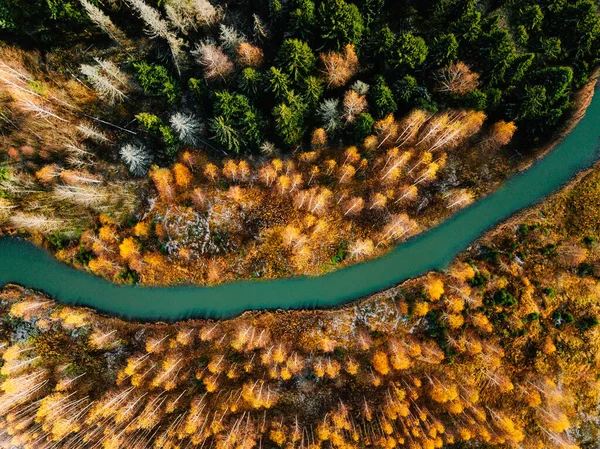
(24, 264)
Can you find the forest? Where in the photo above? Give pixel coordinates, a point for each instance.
(181, 141)
(499, 351)
(162, 142)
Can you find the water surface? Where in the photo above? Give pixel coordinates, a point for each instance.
(23, 263)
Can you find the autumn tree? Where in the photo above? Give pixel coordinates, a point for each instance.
(456, 79)
(215, 62)
(500, 134)
(339, 68)
(249, 55)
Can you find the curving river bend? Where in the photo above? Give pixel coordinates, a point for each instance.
(24, 264)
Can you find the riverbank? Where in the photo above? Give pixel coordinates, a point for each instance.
(582, 100)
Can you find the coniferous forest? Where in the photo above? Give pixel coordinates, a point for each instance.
(196, 142)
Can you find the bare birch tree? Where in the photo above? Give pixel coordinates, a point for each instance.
(215, 62)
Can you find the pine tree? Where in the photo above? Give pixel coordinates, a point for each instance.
(381, 98)
(158, 27)
(296, 58)
(340, 23)
(289, 123)
(225, 134)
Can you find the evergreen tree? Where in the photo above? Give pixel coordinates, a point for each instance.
(302, 18)
(251, 81)
(155, 80)
(296, 59)
(279, 83)
(381, 98)
(363, 126)
(238, 125)
(289, 123)
(340, 23)
(443, 50)
(32, 17)
(408, 51)
(313, 90)
(156, 126)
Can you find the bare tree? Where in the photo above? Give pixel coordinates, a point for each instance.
(459, 198)
(36, 222)
(158, 27)
(206, 13)
(5, 209)
(90, 132)
(361, 248)
(40, 110)
(215, 62)
(189, 14)
(137, 158)
(181, 15)
(354, 104)
(102, 85)
(456, 79)
(339, 68)
(103, 21)
(187, 127)
(230, 37)
(268, 148)
(260, 29)
(111, 69)
(84, 195)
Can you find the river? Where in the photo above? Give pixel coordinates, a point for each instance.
(23, 263)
